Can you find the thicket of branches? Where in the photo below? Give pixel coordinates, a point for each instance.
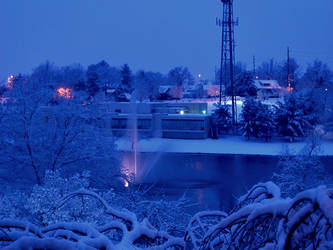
(260, 220)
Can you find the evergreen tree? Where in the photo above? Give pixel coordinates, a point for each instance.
(298, 114)
(141, 86)
(80, 86)
(92, 80)
(239, 70)
(249, 118)
(222, 118)
(126, 79)
(258, 119)
(265, 122)
(244, 85)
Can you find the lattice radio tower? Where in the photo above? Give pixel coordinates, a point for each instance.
(227, 52)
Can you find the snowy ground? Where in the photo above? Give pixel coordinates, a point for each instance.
(225, 145)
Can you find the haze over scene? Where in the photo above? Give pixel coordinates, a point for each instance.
(157, 35)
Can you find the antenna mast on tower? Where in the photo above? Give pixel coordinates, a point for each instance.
(227, 51)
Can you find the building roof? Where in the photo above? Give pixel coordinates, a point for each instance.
(165, 88)
(267, 84)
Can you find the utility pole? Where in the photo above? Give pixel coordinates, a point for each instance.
(288, 64)
(227, 52)
(254, 67)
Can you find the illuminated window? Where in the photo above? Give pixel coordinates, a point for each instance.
(65, 92)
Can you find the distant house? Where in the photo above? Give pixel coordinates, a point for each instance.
(170, 92)
(194, 91)
(268, 89)
(165, 92)
(116, 93)
(212, 90)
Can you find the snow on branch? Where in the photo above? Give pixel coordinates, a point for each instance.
(259, 193)
(199, 226)
(304, 222)
(261, 220)
(308, 221)
(125, 217)
(123, 231)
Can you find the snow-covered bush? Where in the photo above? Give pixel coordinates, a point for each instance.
(200, 225)
(12, 204)
(296, 173)
(165, 215)
(43, 203)
(304, 222)
(121, 231)
(262, 220)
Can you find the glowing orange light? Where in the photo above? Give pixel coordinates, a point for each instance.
(10, 82)
(126, 184)
(65, 92)
(289, 89)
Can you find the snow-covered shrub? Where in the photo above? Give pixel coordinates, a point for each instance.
(200, 225)
(164, 214)
(296, 173)
(12, 204)
(121, 230)
(264, 220)
(43, 203)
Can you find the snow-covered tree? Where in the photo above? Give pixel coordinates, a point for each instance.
(244, 85)
(44, 75)
(155, 79)
(143, 87)
(126, 79)
(265, 122)
(37, 135)
(179, 77)
(221, 118)
(72, 76)
(268, 70)
(257, 119)
(318, 75)
(297, 115)
(249, 118)
(92, 80)
(239, 70)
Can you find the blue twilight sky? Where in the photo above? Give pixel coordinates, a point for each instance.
(158, 35)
